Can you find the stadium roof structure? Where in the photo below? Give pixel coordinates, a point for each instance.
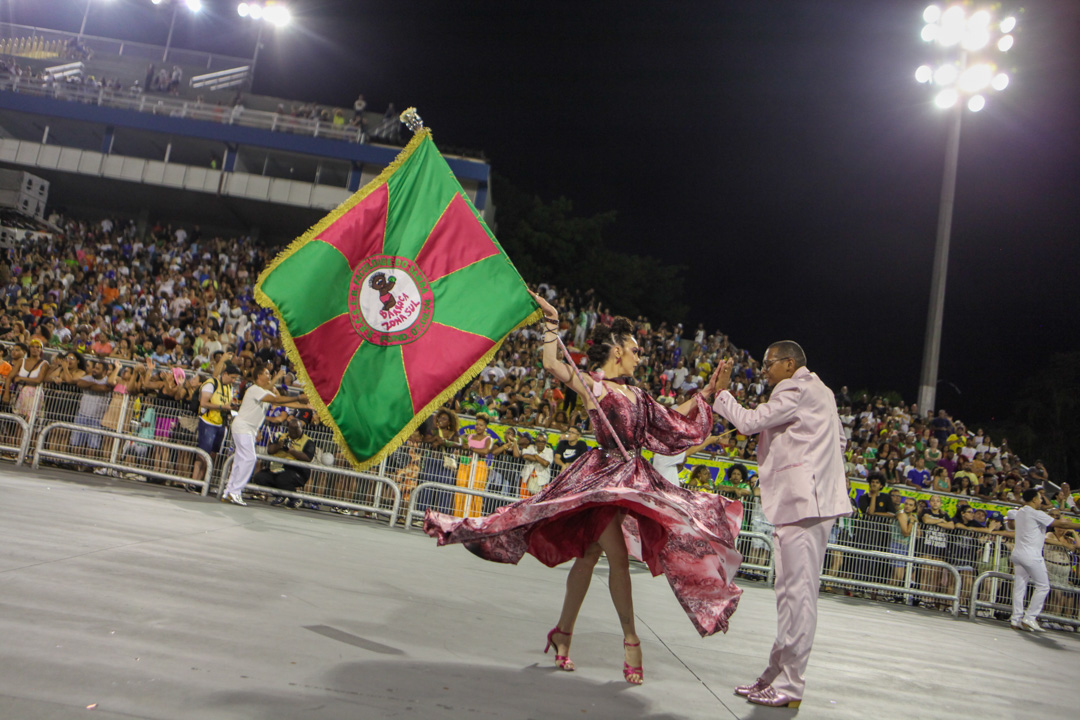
(195, 152)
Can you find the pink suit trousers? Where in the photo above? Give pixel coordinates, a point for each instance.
(799, 552)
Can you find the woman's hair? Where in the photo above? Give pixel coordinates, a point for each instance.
(698, 469)
(451, 418)
(741, 468)
(606, 338)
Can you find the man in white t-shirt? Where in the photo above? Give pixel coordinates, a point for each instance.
(245, 428)
(1029, 525)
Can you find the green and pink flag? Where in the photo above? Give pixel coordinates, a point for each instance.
(393, 302)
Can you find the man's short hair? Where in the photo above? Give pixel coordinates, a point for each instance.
(1030, 495)
(231, 369)
(789, 349)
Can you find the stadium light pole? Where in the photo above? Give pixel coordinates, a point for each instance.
(270, 12)
(193, 5)
(968, 42)
(85, 16)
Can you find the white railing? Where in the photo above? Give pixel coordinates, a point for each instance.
(180, 108)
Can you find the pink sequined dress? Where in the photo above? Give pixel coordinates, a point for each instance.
(687, 536)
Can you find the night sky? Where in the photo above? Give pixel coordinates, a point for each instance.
(783, 150)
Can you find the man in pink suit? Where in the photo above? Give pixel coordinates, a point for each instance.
(803, 491)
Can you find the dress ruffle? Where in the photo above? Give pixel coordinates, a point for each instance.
(687, 536)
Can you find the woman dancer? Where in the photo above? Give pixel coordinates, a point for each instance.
(615, 503)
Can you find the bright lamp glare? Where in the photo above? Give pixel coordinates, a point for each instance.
(278, 14)
(194, 5)
(924, 74)
(976, 39)
(242, 9)
(976, 103)
(931, 14)
(946, 75)
(1005, 43)
(976, 78)
(157, 2)
(930, 33)
(952, 26)
(979, 20)
(1000, 82)
(946, 99)
(1008, 24)
(255, 12)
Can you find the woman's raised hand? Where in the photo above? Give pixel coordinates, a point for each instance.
(550, 313)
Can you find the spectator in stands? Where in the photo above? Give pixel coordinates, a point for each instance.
(878, 514)
(30, 371)
(472, 472)
(505, 475)
(933, 544)
(964, 481)
(570, 448)
(942, 427)
(440, 464)
(93, 402)
(293, 445)
(939, 480)
(900, 537)
(701, 480)
(918, 476)
(1061, 547)
(538, 456)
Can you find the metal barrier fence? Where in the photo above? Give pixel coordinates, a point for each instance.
(92, 453)
(323, 484)
(14, 434)
(1062, 604)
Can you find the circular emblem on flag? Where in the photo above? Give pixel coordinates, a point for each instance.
(390, 300)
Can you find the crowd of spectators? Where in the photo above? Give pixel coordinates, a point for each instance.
(175, 298)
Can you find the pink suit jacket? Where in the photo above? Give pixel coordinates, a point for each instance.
(800, 449)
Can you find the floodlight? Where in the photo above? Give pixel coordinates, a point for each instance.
(924, 74)
(952, 26)
(931, 14)
(1000, 82)
(242, 9)
(946, 74)
(1008, 24)
(930, 33)
(193, 5)
(976, 103)
(976, 78)
(976, 38)
(1005, 43)
(979, 20)
(157, 2)
(946, 98)
(255, 12)
(277, 14)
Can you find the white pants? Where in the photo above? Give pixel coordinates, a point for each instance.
(243, 462)
(1033, 569)
(799, 552)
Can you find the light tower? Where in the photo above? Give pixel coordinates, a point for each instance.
(970, 43)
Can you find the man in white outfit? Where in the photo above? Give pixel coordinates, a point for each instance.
(245, 428)
(1029, 524)
(803, 491)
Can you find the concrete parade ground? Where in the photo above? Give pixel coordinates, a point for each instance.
(125, 600)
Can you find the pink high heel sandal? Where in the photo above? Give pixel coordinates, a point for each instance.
(562, 662)
(628, 670)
